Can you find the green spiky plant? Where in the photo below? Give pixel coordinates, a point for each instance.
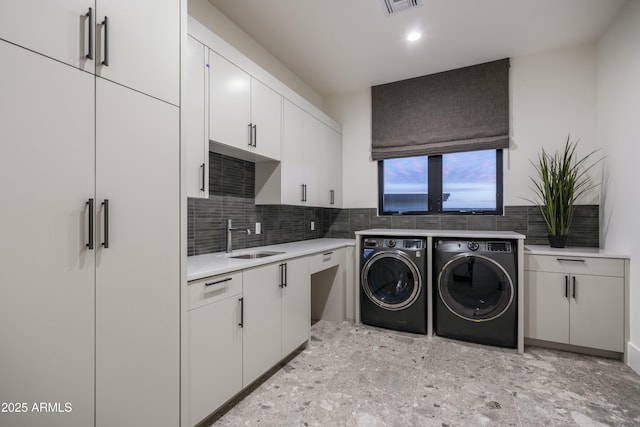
(562, 179)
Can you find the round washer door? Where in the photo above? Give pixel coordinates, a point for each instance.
(391, 280)
(475, 287)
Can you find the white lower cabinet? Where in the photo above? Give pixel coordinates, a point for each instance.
(276, 314)
(575, 300)
(215, 343)
(240, 326)
(296, 303)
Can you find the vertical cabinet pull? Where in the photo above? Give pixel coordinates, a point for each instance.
(303, 197)
(105, 208)
(574, 287)
(255, 136)
(105, 24)
(90, 222)
(202, 185)
(89, 15)
(241, 324)
(283, 275)
(332, 197)
(250, 134)
(566, 286)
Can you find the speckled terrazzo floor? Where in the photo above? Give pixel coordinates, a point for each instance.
(361, 376)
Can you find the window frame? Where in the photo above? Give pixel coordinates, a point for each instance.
(434, 177)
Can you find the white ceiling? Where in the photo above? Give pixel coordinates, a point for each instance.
(338, 46)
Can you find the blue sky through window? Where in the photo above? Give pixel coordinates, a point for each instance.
(468, 181)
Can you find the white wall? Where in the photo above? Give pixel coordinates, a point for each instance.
(618, 102)
(216, 21)
(552, 94)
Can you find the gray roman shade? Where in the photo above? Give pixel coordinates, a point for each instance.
(458, 110)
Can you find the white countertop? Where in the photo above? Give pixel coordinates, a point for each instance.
(463, 234)
(200, 266)
(573, 251)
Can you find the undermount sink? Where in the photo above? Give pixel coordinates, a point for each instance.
(255, 255)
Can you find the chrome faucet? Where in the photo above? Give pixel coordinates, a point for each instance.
(230, 230)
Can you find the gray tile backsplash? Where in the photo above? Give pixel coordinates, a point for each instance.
(232, 196)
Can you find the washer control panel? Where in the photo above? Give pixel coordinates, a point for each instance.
(382, 242)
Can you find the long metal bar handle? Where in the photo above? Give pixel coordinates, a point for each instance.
(302, 187)
(241, 324)
(570, 260)
(574, 287)
(255, 136)
(89, 15)
(250, 134)
(566, 286)
(333, 197)
(281, 266)
(284, 283)
(91, 212)
(202, 186)
(105, 24)
(105, 207)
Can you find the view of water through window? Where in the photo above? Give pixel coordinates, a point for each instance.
(468, 182)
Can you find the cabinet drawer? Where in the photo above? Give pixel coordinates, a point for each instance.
(328, 259)
(575, 265)
(212, 289)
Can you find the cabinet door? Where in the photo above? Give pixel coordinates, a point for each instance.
(58, 29)
(262, 321)
(229, 103)
(292, 167)
(143, 37)
(597, 312)
(310, 158)
(546, 306)
(266, 116)
(296, 305)
(195, 119)
(138, 275)
(46, 270)
(329, 168)
(215, 356)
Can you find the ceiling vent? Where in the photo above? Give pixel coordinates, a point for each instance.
(394, 6)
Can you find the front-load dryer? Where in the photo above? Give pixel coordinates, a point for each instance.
(475, 290)
(393, 283)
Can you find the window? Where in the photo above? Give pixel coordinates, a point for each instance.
(457, 183)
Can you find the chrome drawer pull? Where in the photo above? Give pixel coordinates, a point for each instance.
(570, 260)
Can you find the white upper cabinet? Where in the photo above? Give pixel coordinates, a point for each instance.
(292, 163)
(137, 45)
(309, 159)
(195, 119)
(243, 112)
(229, 103)
(329, 168)
(59, 29)
(266, 120)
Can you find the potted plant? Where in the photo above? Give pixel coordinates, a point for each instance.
(562, 179)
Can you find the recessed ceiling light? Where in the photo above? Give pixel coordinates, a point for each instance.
(413, 36)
